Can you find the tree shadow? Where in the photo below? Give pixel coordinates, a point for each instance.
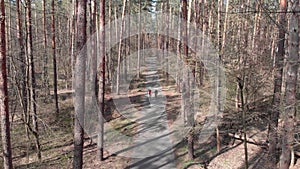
(260, 160)
(141, 144)
(149, 162)
(47, 163)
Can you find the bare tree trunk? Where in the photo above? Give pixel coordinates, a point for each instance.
(45, 59)
(9, 60)
(166, 40)
(178, 53)
(120, 47)
(101, 97)
(139, 41)
(241, 87)
(219, 30)
(205, 28)
(24, 78)
(185, 82)
(244, 90)
(5, 124)
(210, 27)
(128, 59)
(80, 86)
(35, 129)
(274, 115)
(93, 28)
(109, 56)
(158, 42)
(54, 59)
(73, 39)
(255, 32)
(22, 59)
(224, 28)
(291, 87)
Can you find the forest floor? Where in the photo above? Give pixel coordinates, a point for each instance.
(56, 134)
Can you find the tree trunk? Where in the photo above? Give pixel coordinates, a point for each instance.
(291, 87)
(45, 59)
(185, 82)
(24, 80)
(32, 82)
(128, 59)
(93, 21)
(241, 87)
(80, 86)
(120, 47)
(22, 59)
(205, 29)
(73, 38)
(167, 41)
(54, 59)
(5, 124)
(178, 56)
(9, 34)
(274, 114)
(101, 97)
(109, 55)
(139, 41)
(224, 28)
(219, 30)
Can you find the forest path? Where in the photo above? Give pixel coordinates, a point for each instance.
(153, 147)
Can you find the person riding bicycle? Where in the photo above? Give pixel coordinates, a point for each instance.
(156, 92)
(149, 92)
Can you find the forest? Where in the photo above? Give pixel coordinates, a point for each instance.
(149, 84)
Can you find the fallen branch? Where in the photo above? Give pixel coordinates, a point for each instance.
(249, 140)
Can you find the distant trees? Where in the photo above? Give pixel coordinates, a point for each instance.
(249, 40)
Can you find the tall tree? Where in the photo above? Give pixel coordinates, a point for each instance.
(22, 59)
(109, 55)
(178, 52)
(120, 48)
(80, 85)
(139, 41)
(73, 37)
(185, 81)
(279, 59)
(128, 59)
(166, 42)
(54, 58)
(242, 89)
(32, 82)
(102, 79)
(5, 124)
(93, 21)
(219, 30)
(291, 86)
(45, 59)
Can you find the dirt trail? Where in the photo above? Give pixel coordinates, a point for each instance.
(153, 147)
